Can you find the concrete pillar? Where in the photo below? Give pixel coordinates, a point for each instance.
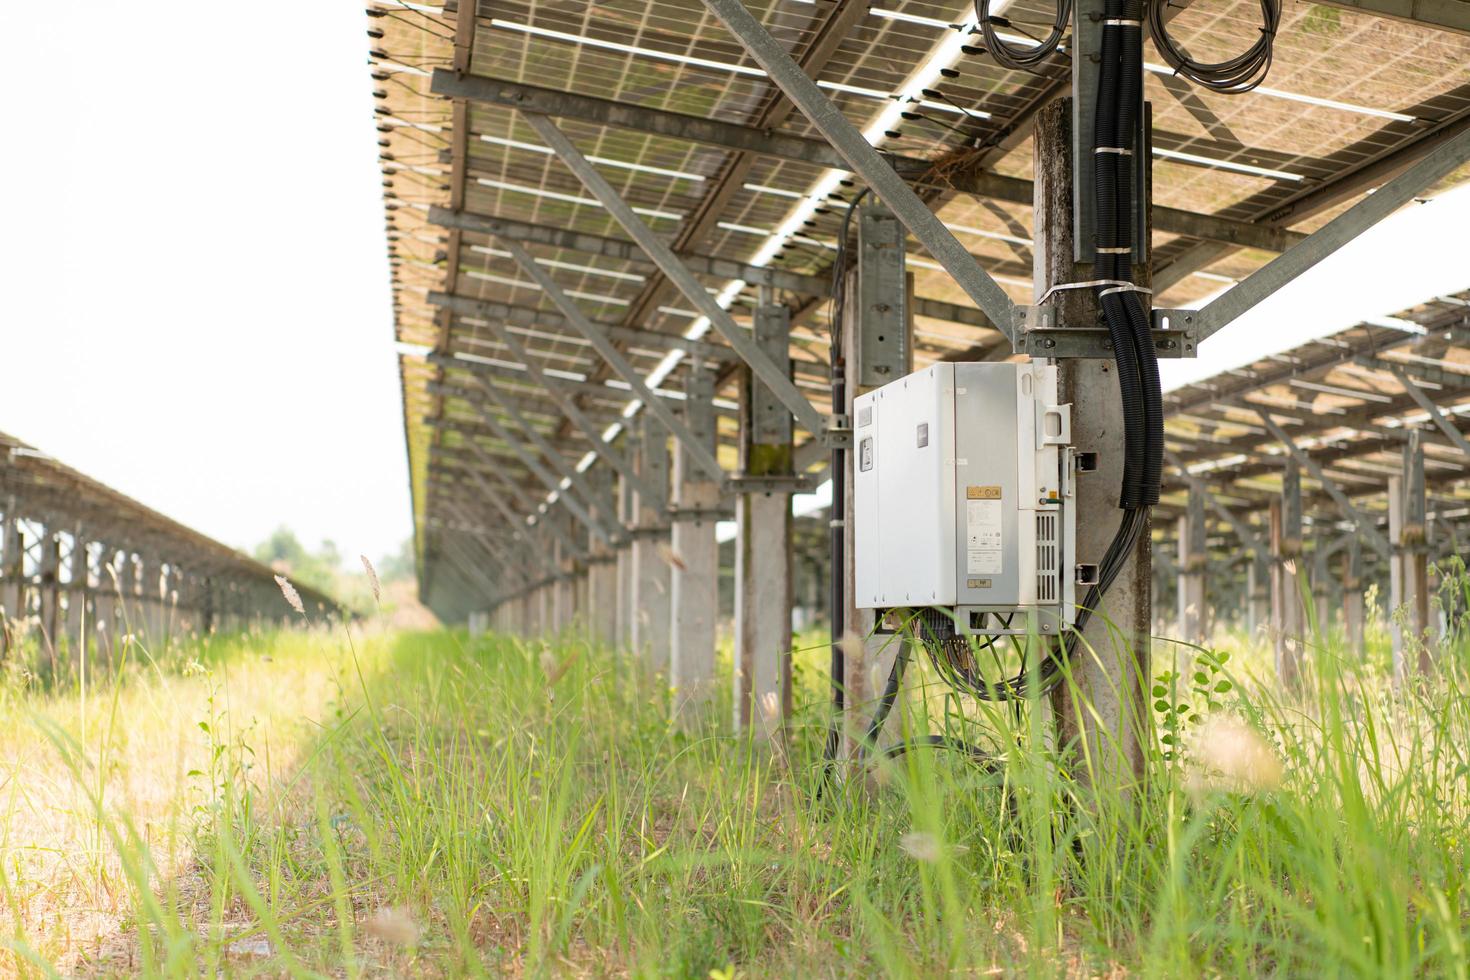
(12, 577)
(1352, 597)
(1193, 566)
(694, 586)
(763, 544)
(1321, 591)
(78, 596)
(1409, 576)
(1103, 715)
(50, 594)
(1258, 593)
(628, 514)
(876, 347)
(650, 571)
(1286, 600)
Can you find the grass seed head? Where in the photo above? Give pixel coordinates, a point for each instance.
(293, 598)
(671, 557)
(920, 845)
(372, 575)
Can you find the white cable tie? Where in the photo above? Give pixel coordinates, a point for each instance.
(1120, 150)
(1121, 22)
(1131, 287)
(1122, 284)
(1119, 250)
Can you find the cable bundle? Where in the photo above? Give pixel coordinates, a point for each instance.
(1231, 76)
(1015, 56)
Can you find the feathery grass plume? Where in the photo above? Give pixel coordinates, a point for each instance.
(920, 846)
(671, 557)
(1230, 755)
(293, 598)
(393, 925)
(372, 575)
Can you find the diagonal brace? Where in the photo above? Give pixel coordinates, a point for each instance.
(668, 263)
(868, 163)
(1435, 415)
(1287, 266)
(700, 453)
(1366, 526)
(578, 418)
(1244, 531)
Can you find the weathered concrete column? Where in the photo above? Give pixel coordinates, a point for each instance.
(694, 585)
(50, 593)
(1193, 564)
(763, 544)
(1286, 600)
(12, 577)
(1409, 578)
(628, 515)
(1103, 713)
(602, 570)
(1321, 591)
(649, 573)
(78, 595)
(1352, 597)
(877, 333)
(1258, 593)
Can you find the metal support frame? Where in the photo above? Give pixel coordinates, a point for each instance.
(548, 479)
(677, 273)
(1244, 531)
(615, 359)
(1323, 242)
(1366, 525)
(609, 530)
(497, 500)
(867, 163)
(578, 418)
(1435, 415)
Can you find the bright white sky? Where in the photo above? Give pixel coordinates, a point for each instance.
(195, 302)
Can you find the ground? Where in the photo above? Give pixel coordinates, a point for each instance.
(372, 802)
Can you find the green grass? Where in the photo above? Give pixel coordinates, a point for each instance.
(428, 804)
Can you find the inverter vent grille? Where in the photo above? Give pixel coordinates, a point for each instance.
(1046, 557)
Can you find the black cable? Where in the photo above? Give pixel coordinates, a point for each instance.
(1233, 75)
(1018, 57)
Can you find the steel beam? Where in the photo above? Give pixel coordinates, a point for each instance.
(679, 275)
(868, 163)
(1450, 430)
(529, 316)
(578, 418)
(1332, 236)
(1444, 15)
(1366, 526)
(764, 142)
(615, 359)
(565, 470)
(1244, 531)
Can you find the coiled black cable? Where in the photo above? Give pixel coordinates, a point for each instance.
(1233, 75)
(1018, 57)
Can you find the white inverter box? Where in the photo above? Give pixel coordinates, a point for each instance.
(963, 497)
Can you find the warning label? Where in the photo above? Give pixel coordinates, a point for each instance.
(984, 533)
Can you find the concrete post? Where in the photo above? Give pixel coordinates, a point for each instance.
(79, 591)
(695, 578)
(1410, 571)
(12, 577)
(628, 514)
(763, 544)
(1321, 594)
(1286, 601)
(1193, 562)
(1258, 593)
(1103, 712)
(50, 593)
(649, 574)
(602, 571)
(1352, 597)
(869, 323)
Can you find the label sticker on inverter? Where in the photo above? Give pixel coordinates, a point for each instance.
(984, 537)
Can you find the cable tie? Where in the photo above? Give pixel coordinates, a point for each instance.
(1113, 250)
(1122, 284)
(1121, 22)
(1120, 150)
(1131, 287)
